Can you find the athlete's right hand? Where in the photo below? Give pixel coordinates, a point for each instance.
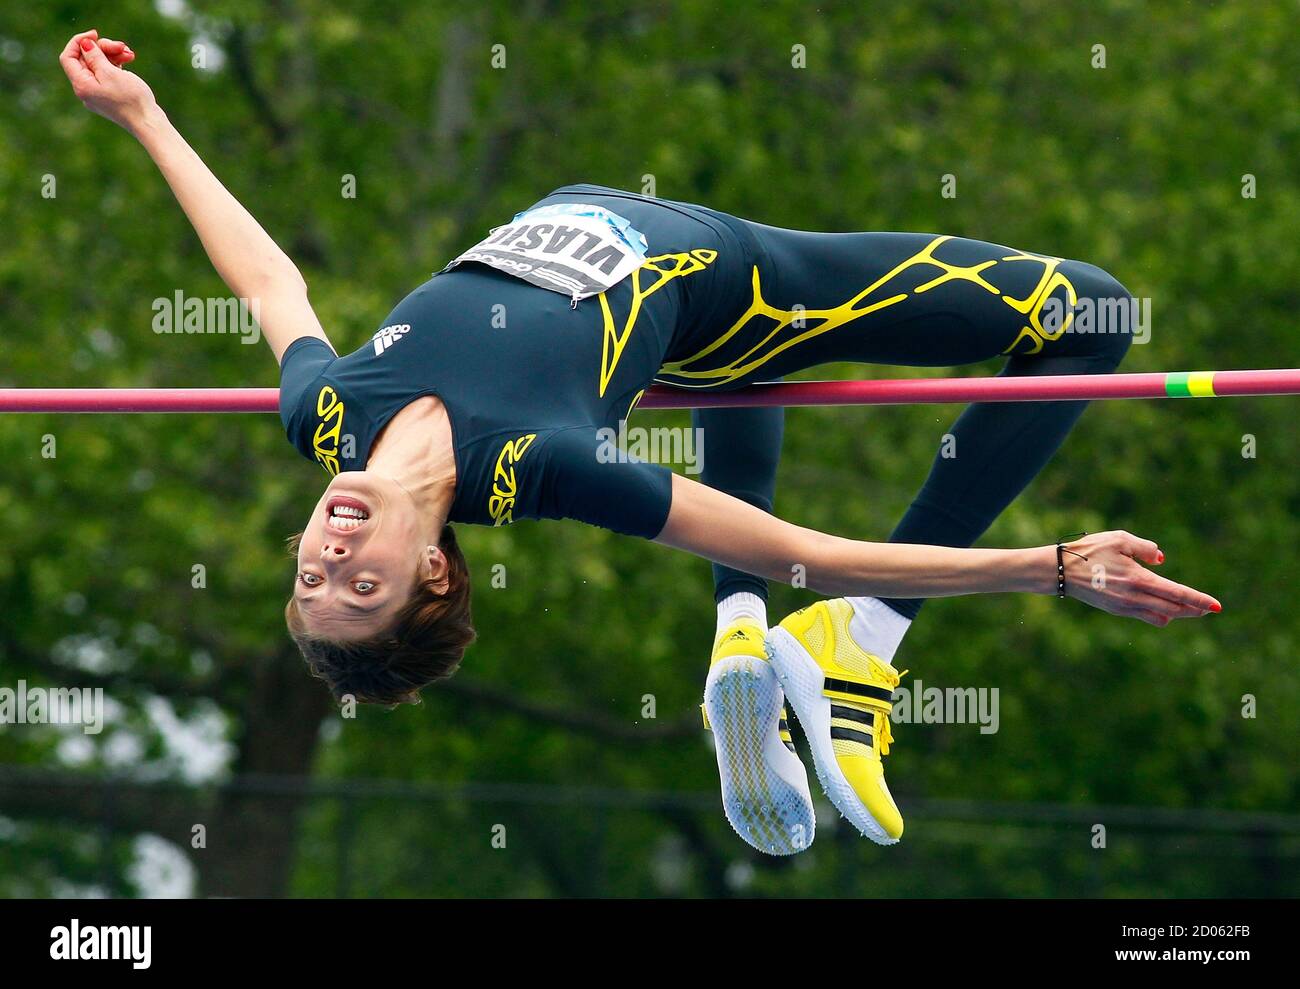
(93, 66)
(1113, 579)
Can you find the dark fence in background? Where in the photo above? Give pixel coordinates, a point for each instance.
(62, 833)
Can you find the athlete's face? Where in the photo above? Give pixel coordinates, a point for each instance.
(361, 556)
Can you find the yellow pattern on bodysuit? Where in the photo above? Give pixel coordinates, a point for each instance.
(505, 486)
(658, 271)
(880, 294)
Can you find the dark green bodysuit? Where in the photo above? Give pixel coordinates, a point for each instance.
(536, 362)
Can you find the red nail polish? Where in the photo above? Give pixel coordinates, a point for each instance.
(87, 44)
(1216, 607)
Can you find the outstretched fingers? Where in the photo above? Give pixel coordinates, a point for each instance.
(1150, 617)
(1167, 597)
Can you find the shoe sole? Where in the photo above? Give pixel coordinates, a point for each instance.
(802, 679)
(769, 809)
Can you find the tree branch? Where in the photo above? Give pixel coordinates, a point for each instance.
(241, 66)
(571, 719)
(159, 683)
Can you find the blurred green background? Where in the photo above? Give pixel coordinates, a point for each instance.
(1137, 167)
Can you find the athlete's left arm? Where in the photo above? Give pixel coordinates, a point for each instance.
(726, 530)
(245, 256)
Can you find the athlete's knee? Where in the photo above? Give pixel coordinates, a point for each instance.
(1106, 315)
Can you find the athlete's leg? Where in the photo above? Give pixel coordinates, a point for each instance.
(741, 450)
(764, 785)
(913, 300)
(923, 300)
(996, 450)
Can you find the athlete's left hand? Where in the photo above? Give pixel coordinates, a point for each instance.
(1113, 579)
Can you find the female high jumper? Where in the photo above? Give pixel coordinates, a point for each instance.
(485, 394)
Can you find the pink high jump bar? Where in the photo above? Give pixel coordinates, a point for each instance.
(915, 391)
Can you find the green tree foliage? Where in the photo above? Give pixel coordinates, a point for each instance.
(1137, 166)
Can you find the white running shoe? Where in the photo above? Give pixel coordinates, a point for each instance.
(764, 784)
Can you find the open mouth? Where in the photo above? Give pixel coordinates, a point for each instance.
(344, 514)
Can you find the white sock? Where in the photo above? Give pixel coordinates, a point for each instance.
(742, 604)
(877, 627)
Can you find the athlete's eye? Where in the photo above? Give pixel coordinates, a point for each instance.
(364, 586)
(310, 579)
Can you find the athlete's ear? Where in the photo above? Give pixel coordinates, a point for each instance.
(439, 569)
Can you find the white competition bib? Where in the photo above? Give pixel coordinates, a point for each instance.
(571, 248)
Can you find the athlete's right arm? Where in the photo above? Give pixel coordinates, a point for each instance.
(726, 530)
(245, 256)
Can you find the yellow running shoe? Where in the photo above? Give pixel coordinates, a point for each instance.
(843, 695)
(764, 785)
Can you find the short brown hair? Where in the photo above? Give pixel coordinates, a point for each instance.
(426, 643)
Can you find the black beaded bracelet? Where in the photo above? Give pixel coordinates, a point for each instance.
(1060, 561)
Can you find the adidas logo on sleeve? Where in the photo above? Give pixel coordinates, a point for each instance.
(388, 336)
